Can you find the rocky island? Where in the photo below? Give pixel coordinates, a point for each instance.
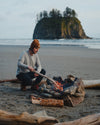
(57, 26)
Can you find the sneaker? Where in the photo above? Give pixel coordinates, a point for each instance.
(34, 87)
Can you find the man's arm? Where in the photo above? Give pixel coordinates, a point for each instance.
(21, 61)
(38, 64)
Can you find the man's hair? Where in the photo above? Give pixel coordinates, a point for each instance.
(35, 44)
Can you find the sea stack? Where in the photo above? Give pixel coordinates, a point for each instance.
(59, 28)
(54, 25)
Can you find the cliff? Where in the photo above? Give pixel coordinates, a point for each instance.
(58, 28)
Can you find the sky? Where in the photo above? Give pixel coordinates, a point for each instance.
(18, 17)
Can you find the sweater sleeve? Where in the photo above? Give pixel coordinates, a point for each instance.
(21, 60)
(38, 64)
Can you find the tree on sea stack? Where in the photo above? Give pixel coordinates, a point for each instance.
(69, 12)
(54, 25)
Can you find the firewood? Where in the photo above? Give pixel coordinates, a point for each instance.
(52, 102)
(47, 102)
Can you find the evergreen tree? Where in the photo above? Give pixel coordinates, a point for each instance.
(69, 12)
(54, 13)
(45, 14)
(74, 14)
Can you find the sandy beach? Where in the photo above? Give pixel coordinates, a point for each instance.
(79, 61)
(57, 61)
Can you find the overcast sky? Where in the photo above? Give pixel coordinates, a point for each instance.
(18, 17)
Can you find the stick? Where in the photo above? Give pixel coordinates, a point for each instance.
(46, 77)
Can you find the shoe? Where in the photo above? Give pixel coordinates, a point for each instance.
(23, 87)
(34, 87)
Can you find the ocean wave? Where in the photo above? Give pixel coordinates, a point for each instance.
(88, 43)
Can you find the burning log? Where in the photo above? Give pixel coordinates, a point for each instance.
(52, 102)
(47, 102)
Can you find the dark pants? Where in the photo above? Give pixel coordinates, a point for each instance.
(26, 78)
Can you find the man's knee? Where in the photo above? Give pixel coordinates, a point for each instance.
(25, 79)
(43, 71)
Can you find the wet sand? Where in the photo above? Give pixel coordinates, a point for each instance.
(80, 62)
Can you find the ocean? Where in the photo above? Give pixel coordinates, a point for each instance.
(88, 43)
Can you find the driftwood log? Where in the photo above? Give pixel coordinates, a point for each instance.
(10, 80)
(88, 120)
(90, 84)
(7, 118)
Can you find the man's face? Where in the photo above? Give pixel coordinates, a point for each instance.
(35, 50)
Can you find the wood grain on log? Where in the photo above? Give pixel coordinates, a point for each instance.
(47, 102)
(7, 118)
(88, 120)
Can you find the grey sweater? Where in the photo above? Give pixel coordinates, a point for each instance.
(26, 60)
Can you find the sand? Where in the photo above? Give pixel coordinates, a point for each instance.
(57, 61)
(81, 62)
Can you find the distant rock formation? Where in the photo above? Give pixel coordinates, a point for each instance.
(59, 28)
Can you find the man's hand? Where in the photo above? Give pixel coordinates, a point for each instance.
(35, 74)
(32, 70)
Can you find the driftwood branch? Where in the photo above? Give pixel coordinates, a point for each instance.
(88, 120)
(10, 80)
(7, 118)
(53, 81)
